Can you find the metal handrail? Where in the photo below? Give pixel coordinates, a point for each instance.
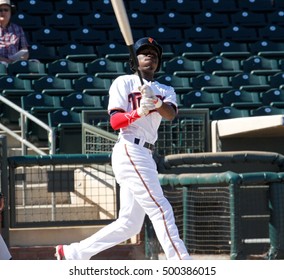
(24, 116)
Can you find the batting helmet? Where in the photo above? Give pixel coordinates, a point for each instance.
(144, 42)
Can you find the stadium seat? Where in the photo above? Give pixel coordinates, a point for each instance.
(278, 4)
(222, 66)
(52, 85)
(221, 6)
(241, 99)
(231, 49)
(3, 70)
(62, 21)
(77, 52)
(50, 36)
(277, 80)
(39, 105)
(257, 5)
(239, 33)
(201, 99)
(99, 20)
(142, 21)
(260, 65)
(164, 34)
(267, 48)
(42, 53)
(27, 22)
(273, 97)
(113, 51)
(228, 112)
(105, 68)
(13, 89)
(67, 126)
(248, 19)
(92, 85)
(248, 81)
(182, 67)
(271, 32)
(74, 7)
(88, 36)
(35, 7)
(147, 6)
(173, 19)
(102, 6)
(212, 19)
(116, 36)
(202, 34)
(211, 83)
(77, 102)
(190, 49)
(65, 69)
(26, 69)
(180, 84)
(266, 111)
(188, 7)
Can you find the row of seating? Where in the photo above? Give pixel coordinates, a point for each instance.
(171, 19)
(42, 7)
(188, 49)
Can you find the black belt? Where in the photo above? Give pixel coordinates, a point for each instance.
(146, 144)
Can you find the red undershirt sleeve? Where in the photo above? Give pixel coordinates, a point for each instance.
(119, 120)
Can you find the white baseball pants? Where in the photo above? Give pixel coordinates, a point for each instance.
(140, 194)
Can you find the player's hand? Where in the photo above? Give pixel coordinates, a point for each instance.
(147, 91)
(142, 110)
(148, 103)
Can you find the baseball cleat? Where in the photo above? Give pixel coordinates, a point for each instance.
(59, 253)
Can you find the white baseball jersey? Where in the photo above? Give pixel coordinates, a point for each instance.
(124, 94)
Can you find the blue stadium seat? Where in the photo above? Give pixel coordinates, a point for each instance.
(43, 53)
(173, 19)
(201, 99)
(147, 6)
(231, 49)
(88, 36)
(62, 21)
(182, 67)
(52, 85)
(212, 19)
(267, 48)
(260, 65)
(271, 32)
(180, 84)
(65, 69)
(248, 19)
(222, 66)
(36, 7)
(188, 7)
(266, 111)
(92, 85)
(211, 83)
(228, 112)
(113, 51)
(77, 52)
(248, 81)
(27, 22)
(221, 6)
(39, 105)
(164, 34)
(50, 36)
(277, 80)
(67, 126)
(77, 102)
(99, 20)
(105, 68)
(257, 5)
(273, 97)
(241, 99)
(74, 7)
(239, 33)
(202, 34)
(191, 49)
(27, 69)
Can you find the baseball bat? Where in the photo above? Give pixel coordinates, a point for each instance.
(124, 26)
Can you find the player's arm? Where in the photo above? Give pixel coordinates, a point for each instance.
(120, 119)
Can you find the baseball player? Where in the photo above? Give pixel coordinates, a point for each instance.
(4, 251)
(137, 112)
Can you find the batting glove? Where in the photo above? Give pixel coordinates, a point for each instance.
(142, 110)
(148, 93)
(148, 103)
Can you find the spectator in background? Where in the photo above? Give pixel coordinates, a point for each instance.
(4, 252)
(13, 42)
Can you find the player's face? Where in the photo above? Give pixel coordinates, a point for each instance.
(148, 59)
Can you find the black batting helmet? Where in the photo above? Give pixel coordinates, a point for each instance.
(145, 42)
